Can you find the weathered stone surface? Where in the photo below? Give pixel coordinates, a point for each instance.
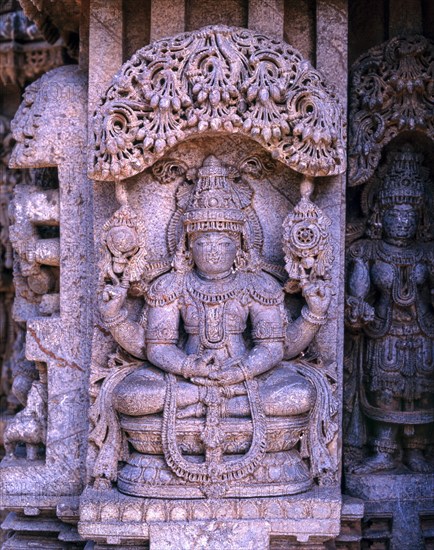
(55, 109)
(183, 389)
(398, 507)
(109, 515)
(24, 55)
(389, 404)
(203, 414)
(279, 101)
(386, 100)
(210, 535)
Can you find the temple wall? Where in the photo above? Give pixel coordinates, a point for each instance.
(313, 121)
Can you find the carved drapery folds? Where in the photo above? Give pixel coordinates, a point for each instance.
(218, 79)
(392, 91)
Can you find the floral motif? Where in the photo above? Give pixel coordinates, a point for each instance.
(392, 92)
(218, 79)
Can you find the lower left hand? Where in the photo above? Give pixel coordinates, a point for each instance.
(228, 375)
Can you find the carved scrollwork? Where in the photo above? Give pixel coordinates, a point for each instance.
(217, 79)
(169, 170)
(392, 92)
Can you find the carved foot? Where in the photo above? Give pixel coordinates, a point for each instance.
(376, 463)
(416, 462)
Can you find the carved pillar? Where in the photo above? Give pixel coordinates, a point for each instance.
(50, 235)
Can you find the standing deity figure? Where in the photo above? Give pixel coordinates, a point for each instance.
(389, 301)
(214, 336)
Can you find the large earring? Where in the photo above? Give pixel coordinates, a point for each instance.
(375, 227)
(240, 260)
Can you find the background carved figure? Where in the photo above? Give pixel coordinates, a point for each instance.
(389, 298)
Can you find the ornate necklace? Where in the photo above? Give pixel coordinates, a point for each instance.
(211, 298)
(403, 262)
(213, 291)
(393, 254)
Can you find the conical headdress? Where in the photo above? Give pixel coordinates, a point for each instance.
(214, 204)
(404, 180)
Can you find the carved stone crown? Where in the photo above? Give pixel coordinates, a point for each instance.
(214, 205)
(404, 180)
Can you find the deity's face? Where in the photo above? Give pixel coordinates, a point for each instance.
(214, 252)
(25, 128)
(400, 222)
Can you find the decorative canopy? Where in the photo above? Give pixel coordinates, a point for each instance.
(392, 91)
(217, 80)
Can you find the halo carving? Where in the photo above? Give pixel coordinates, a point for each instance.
(216, 80)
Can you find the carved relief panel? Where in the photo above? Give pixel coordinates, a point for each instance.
(389, 371)
(209, 375)
(391, 239)
(44, 441)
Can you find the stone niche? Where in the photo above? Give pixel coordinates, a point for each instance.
(215, 375)
(388, 397)
(178, 272)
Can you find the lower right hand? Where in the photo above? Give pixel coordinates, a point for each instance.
(358, 311)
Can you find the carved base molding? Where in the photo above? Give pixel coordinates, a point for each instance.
(398, 508)
(108, 517)
(280, 473)
(33, 528)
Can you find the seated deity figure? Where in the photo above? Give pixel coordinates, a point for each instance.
(390, 299)
(214, 340)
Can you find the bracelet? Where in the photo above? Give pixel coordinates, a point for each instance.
(116, 319)
(311, 317)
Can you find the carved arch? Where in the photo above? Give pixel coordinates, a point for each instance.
(392, 91)
(218, 80)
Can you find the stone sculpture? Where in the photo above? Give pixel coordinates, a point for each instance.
(391, 92)
(53, 109)
(389, 297)
(216, 398)
(227, 80)
(29, 426)
(208, 395)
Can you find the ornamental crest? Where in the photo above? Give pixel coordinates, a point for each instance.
(392, 92)
(223, 80)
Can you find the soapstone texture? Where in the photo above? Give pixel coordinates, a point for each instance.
(178, 278)
(389, 373)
